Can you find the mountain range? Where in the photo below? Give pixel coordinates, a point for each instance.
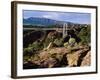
(45, 22)
(42, 21)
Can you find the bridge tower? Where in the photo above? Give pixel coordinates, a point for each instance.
(65, 28)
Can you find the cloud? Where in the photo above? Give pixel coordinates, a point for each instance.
(47, 16)
(51, 15)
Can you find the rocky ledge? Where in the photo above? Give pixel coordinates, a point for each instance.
(60, 57)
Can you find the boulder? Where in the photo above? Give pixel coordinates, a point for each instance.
(87, 60)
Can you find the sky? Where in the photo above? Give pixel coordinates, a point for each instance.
(81, 18)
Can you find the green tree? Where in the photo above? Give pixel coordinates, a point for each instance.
(85, 35)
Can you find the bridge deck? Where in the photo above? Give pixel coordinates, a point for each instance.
(43, 28)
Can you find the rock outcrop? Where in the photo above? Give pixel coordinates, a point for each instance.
(87, 59)
(62, 57)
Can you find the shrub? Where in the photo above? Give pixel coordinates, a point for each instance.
(37, 45)
(58, 42)
(28, 51)
(85, 35)
(26, 58)
(72, 41)
(66, 44)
